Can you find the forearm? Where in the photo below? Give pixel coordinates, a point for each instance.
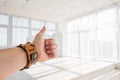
(11, 60)
(14, 59)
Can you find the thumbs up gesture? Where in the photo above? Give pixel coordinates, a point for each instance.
(46, 48)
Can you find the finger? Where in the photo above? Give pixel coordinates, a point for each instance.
(39, 36)
(51, 51)
(42, 32)
(52, 56)
(51, 46)
(49, 41)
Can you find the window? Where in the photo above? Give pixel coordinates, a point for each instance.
(20, 22)
(72, 26)
(3, 35)
(50, 26)
(73, 47)
(87, 44)
(4, 19)
(107, 16)
(20, 36)
(20, 30)
(34, 32)
(87, 35)
(51, 30)
(106, 35)
(73, 39)
(94, 36)
(106, 40)
(37, 24)
(50, 34)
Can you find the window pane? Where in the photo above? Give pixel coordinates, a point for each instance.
(3, 35)
(97, 36)
(37, 24)
(106, 44)
(20, 36)
(4, 19)
(50, 26)
(34, 32)
(87, 22)
(73, 25)
(107, 16)
(84, 45)
(21, 22)
(87, 44)
(50, 34)
(73, 47)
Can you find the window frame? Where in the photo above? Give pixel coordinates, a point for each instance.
(10, 27)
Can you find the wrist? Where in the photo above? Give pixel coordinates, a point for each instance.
(30, 52)
(22, 57)
(37, 48)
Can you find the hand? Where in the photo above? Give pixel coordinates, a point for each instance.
(46, 47)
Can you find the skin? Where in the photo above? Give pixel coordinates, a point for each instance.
(14, 59)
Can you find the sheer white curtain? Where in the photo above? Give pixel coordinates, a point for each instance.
(94, 36)
(106, 35)
(87, 29)
(73, 39)
(73, 47)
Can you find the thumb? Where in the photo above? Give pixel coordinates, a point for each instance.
(39, 36)
(42, 31)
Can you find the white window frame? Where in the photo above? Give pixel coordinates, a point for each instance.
(10, 28)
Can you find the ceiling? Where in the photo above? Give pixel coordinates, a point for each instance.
(52, 10)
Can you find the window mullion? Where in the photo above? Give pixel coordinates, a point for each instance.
(29, 29)
(118, 32)
(9, 32)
